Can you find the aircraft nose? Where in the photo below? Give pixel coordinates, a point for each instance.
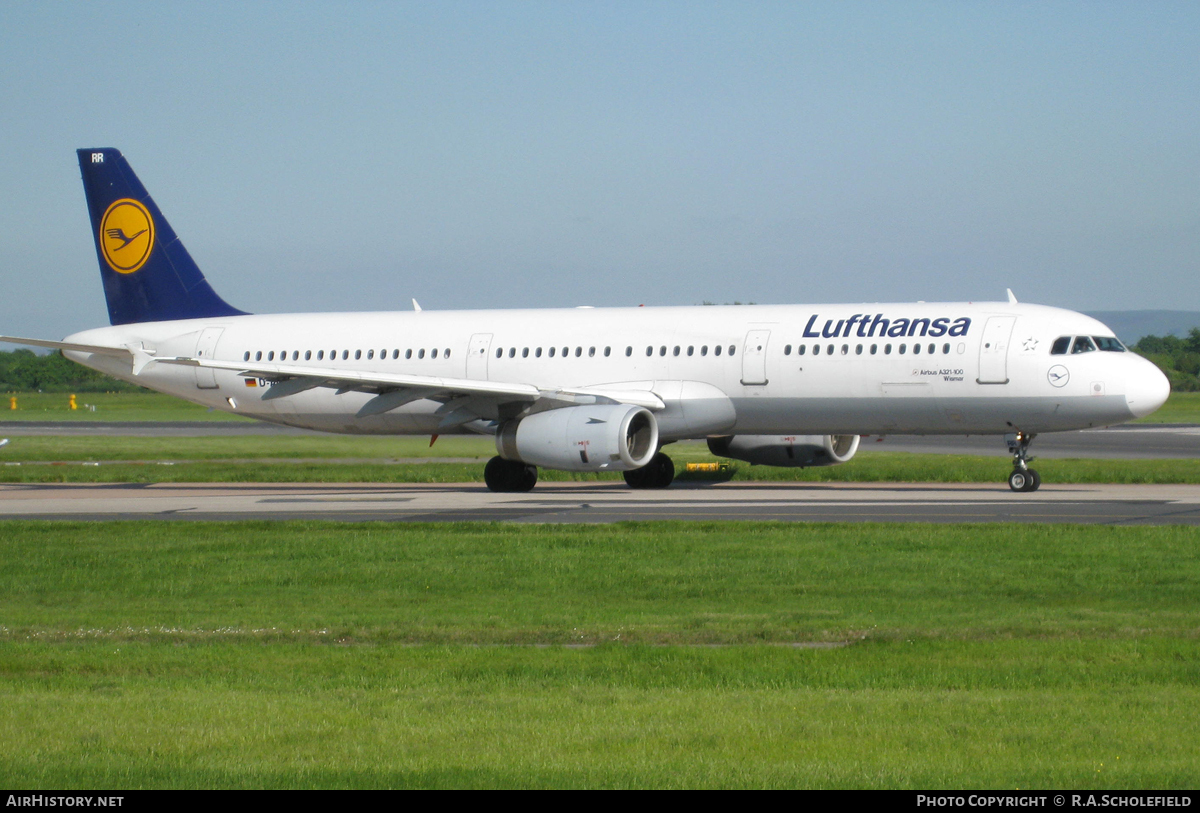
(1147, 389)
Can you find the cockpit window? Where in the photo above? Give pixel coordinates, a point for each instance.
(1109, 343)
(1060, 346)
(1082, 345)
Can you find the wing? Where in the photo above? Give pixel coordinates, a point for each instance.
(463, 399)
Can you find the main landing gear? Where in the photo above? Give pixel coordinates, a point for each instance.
(658, 473)
(1022, 478)
(509, 476)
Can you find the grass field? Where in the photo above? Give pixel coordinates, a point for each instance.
(1181, 407)
(109, 406)
(324, 655)
(339, 458)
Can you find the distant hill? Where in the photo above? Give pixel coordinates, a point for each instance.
(1133, 325)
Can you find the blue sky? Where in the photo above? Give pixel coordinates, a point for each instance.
(350, 156)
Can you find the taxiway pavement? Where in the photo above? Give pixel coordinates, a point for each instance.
(609, 502)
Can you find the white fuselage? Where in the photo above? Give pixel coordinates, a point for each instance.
(977, 367)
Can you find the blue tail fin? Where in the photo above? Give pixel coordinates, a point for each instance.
(147, 273)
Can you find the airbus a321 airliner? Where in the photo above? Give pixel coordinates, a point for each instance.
(601, 389)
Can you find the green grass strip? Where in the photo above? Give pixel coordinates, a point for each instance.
(557, 584)
(1004, 714)
(307, 654)
(867, 467)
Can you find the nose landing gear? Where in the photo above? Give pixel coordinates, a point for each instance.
(1022, 478)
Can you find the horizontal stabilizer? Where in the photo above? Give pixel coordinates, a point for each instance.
(81, 348)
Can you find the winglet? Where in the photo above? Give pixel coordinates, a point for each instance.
(1012, 298)
(416, 306)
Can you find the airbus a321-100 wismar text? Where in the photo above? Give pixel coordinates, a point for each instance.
(601, 389)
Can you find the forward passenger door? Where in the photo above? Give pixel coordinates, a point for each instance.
(993, 350)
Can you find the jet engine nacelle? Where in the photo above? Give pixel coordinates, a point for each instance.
(786, 450)
(605, 437)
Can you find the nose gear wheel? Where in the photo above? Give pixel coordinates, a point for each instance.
(1022, 477)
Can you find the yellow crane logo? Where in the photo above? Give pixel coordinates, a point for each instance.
(126, 235)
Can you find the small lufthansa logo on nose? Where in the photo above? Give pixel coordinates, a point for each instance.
(1058, 375)
(126, 235)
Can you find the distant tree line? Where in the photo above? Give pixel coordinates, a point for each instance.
(25, 371)
(1179, 359)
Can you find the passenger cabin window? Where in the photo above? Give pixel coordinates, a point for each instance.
(800, 348)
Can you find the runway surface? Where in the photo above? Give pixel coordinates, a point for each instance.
(1130, 441)
(609, 502)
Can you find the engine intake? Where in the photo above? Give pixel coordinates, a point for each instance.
(786, 450)
(608, 437)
